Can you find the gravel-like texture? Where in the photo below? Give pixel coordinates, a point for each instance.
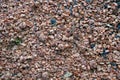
(59, 39)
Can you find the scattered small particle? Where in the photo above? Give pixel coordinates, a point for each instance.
(17, 0)
(118, 26)
(92, 45)
(75, 2)
(25, 67)
(88, 1)
(104, 53)
(118, 3)
(67, 74)
(92, 70)
(109, 26)
(71, 12)
(53, 21)
(117, 36)
(58, 51)
(105, 6)
(104, 79)
(113, 63)
(111, 33)
(35, 0)
(59, 39)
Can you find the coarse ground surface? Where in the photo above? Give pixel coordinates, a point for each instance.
(59, 39)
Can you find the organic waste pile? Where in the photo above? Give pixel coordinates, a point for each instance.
(59, 39)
